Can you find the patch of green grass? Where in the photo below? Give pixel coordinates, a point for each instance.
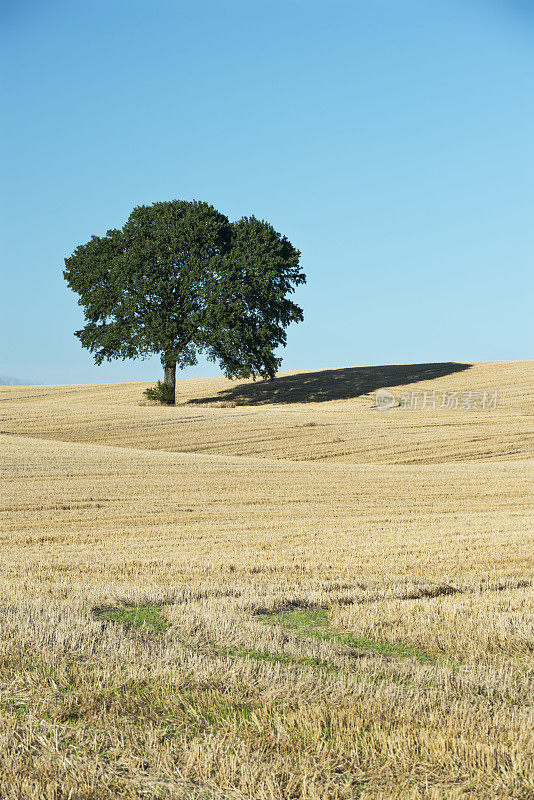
(383, 647)
(267, 656)
(314, 622)
(134, 616)
(302, 621)
(252, 654)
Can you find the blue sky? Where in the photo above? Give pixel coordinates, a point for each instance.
(392, 142)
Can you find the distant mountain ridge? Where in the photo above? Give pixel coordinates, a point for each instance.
(8, 380)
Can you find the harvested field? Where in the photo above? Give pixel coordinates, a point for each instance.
(270, 591)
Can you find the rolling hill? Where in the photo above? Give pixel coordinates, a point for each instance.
(269, 591)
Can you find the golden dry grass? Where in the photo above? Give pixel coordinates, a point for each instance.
(345, 595)
(313, 416)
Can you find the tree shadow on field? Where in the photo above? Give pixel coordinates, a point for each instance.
(330, 384)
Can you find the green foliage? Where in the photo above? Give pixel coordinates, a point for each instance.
(134, 616)
(313, 622)
(160, 393)
(248, 309)
(179, 279)
(253, 654)
(141, 287)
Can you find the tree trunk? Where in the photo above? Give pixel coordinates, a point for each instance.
(170, 380)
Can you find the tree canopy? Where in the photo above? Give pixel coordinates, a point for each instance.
(179, 278)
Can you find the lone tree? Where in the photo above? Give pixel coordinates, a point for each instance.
(179, 279)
